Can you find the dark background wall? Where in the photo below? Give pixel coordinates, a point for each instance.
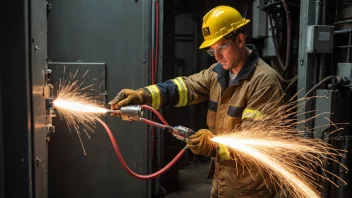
(16, 128)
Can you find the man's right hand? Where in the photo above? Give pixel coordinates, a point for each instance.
(126, 97)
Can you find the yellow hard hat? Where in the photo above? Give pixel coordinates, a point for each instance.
(219, 22)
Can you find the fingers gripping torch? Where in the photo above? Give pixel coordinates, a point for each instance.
(135, 113)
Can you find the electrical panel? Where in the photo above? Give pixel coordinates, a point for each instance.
(345, 70)
(320, 39)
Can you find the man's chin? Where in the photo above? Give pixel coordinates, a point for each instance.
(225, 67)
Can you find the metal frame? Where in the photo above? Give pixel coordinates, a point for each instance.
(306, 61)
(38, 24)
(327, 102)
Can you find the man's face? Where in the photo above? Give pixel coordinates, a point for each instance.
(227, 52)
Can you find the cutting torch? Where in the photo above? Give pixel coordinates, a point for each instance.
(135, 113)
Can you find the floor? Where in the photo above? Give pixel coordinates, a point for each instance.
(193, 182)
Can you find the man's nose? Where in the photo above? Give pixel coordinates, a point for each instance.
(218, 55)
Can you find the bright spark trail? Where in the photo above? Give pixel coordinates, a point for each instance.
(299, 186)
(77, 107)
(273, 145)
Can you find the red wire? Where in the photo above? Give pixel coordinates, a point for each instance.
(156, 113)
(124, 165)
(156, 37)
(153, 82)
(152, 123)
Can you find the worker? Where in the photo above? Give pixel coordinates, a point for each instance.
(237, 88)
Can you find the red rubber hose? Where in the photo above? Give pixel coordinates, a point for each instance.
(156, 113)
(152, 123)
(124, 165)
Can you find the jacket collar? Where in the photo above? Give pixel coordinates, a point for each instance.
(244, 73)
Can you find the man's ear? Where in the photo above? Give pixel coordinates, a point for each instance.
(240, 40)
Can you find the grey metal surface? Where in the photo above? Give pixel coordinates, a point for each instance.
(306, 62)
(91, 77)
(269, 47)
(16, 107)
(118, 34)
(38, 62)
(320, 39)
(65, 146)
(334, 106)
(345, 189)
(325, 105)
(345, 70)
(259, 21)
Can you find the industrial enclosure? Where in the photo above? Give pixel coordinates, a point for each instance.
(115, 44)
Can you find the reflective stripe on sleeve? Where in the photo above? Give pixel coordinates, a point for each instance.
(224, 153)
(156, 96)
(182, 92)
(253, 114)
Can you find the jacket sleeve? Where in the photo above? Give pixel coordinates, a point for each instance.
(180, 91)
(260, 103)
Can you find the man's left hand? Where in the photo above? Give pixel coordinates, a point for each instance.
(200, 143)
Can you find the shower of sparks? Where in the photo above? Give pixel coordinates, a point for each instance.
(76, 106)
(274, 146)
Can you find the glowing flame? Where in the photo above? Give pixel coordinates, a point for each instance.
(275, 146)
(79, 106)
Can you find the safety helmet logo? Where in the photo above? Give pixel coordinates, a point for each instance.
(206, 31)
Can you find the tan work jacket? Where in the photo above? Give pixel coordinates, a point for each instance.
(229, 105)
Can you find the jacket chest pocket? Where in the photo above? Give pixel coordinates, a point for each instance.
(211, 115)
(233, 118)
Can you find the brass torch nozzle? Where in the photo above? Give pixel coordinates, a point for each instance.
(117, 112)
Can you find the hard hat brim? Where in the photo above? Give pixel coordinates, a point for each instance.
(208, 43)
